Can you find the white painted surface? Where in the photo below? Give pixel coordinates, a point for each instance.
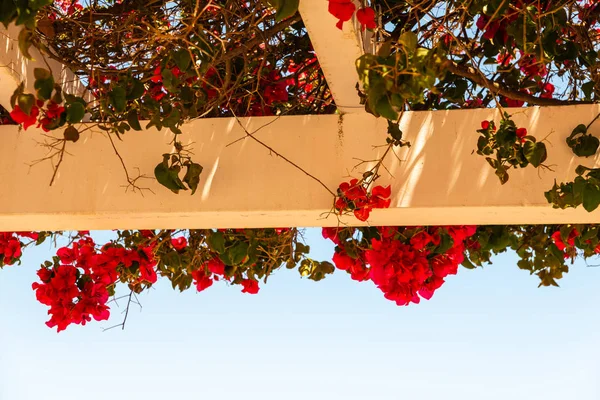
(337, 51)
(439, 180)
(15, 68)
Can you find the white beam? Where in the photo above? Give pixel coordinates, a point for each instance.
(439, 180)
(15, 68)
(337, 51)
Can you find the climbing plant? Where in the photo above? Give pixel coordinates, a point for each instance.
(145, 64)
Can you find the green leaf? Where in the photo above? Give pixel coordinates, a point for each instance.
(25, 102)
(535, 153)
(168, 177)
(136, 90)
(468, 264)
(502, 174)
(217, 241)
(409, 40)
(25, 42)
(182, 59)
(170, 82)
(581, 128)
(591, 197)
(582, 143)
(394, 130)
(41, 74)
(284, 8)
(385, 109)
(75, 112)
(134, 122)
(238, 252)
(587, 89)
(71, 134)
(118, 99)
(192, 176)
(44, 86)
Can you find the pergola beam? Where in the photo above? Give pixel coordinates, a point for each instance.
(437, 181)
(15, 68)
(337, 52)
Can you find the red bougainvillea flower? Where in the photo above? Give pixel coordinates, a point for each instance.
(366, 17)
(20, 117)
(216, 266)
(380, 197)
(547, 90)
(10, 248)
(521, 133)
(179, 243)
(404, 268)
(342, 10)
(331, 234)
(157, 76)
(362, 213)
(250, 286)
(531, 67)
(556, 237)
(201, 279)
(30, 235)
(504, 59)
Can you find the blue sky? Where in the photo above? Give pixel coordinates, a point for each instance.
(486, 334)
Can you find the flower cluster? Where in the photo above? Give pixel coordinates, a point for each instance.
(214, 269)
(48, 115)
(77, 286)
(353, 196)
(11, 246)
(405, 263)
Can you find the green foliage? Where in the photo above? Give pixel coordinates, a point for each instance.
(401, 71)
(509, 147)
(583, 143)
(536, 247)
(167, 173)
(585, 189)
(285, 8)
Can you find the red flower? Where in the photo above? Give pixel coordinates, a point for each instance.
(557, 238)
(521, 133)
(380, 197)
(179, 243)
(20, 117)
(420, 240)
(30, 235)
(250, 286)
(342, 10)
(202, 281)
(331, 234)
(366, 17)
(216, 266)
(363, 213)
(147, 273)
(485, 125)
(156, 77)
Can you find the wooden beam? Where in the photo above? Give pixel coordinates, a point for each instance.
(337, 51)
(437, 181)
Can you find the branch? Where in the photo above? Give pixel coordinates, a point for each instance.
(245, 46)
(478, 78)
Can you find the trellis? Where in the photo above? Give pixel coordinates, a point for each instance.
(437, 181)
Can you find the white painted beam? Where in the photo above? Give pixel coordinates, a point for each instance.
(439, 180)
(15, 68)
(337, 52)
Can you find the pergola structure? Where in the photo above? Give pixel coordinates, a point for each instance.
(437, 181)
